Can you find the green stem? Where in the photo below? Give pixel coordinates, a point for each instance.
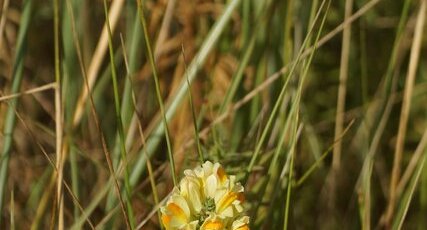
(119, 121)
(158, 94)
(10, 119)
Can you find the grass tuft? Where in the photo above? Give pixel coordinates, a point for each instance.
(305, 102)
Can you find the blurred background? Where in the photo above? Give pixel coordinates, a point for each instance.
(318, 107)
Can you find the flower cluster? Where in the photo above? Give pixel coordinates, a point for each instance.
(206, 199)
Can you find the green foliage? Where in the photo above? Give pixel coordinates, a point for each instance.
(251, 84)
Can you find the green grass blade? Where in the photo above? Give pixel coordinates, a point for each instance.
(150, 57)
(290, 175)
(408, 196)
(10, 119)
(69, 86)
(193, 68)
(127, 110)
(238, 76)
(141, 134)
(375, 112)
(119, 123)
(295, 114)
(193, 113)
(279, 101)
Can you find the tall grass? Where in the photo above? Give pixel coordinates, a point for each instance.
(9, 116)
(318, 108)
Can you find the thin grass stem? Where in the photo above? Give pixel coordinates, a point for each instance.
(10, 117)
(158, 93)
(404, 116)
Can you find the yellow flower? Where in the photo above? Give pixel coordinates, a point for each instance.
(212, 224)
(229, 201)
(190, 190)
(241, 224)
(176, 214)
(206, 199)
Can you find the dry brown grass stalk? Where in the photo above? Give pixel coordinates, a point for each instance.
(342, 88)
(404, 116)
(97, 58)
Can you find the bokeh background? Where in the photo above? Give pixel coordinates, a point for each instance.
(318, 107)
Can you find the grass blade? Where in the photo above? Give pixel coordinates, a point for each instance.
(10, 118)
(409, 84)
(193, 68)
(150, 57)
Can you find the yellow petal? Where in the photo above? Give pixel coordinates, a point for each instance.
(226, 201)
(241, 224)
(244, 227)
(190, 190)
(194, 197)
(166, 220)
(176, 212)
(182, 203)
(221, 175)
(211, 186)
(212, 225)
